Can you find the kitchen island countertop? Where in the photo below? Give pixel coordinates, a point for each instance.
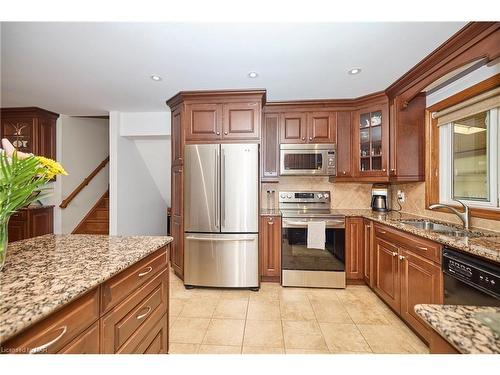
(44, 273)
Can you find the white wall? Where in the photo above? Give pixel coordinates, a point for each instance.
(139, 172)
(82, 143)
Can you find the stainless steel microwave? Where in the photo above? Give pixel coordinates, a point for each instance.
(308, 159)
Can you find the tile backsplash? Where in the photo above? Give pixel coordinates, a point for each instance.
(344, 195)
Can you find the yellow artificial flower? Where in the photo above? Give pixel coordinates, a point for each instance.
(52, 167)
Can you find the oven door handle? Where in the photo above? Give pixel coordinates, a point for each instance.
(303, 224)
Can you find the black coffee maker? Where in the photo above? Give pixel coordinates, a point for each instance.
(381, 199)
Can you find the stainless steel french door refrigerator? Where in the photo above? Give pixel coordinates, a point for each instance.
(221, 200)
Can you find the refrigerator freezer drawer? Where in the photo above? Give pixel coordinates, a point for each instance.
(221, 260)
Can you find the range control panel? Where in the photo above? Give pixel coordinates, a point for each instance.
(304, 197)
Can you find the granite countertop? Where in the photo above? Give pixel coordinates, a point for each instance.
(487, 246)
(270, 212)
(463, 326)
(44, 273)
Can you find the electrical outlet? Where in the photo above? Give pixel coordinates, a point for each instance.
(401, 196)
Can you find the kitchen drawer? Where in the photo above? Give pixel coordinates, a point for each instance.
(19, 215)
(155, 341)
(148, 303)
(85, 343)
(121, 285)
(53, 333)
(420, 246)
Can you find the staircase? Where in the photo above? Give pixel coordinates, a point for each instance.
(97, 220)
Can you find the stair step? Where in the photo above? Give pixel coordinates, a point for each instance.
(97, 220)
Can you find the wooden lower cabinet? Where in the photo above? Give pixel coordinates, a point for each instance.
(135, 321)
(270, 248)
(367, 246)
(31, 222)
(178, 246)
(354, 228)
(405, 274)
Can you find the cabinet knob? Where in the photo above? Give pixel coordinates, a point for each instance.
(383, 169)
(401, 257)
(310, 138)
(218, 133)
(303, 138)
(225, 133)
(393, 170)
(344, 172)
(394, 254)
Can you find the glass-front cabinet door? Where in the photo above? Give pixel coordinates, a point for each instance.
(372, 141)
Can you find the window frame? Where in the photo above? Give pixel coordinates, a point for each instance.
(446, 164)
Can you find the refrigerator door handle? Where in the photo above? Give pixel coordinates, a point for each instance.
(206, 239)
(223, 188)
(216, 190)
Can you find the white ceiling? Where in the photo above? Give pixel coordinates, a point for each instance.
(93, 68)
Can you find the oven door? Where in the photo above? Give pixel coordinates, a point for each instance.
(303, 162)
(297, 256)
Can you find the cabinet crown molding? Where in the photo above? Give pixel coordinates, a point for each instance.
(216, 94)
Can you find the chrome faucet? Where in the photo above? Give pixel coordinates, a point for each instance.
(464, 216)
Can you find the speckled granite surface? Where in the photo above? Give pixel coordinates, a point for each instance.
(270, 212)
(43, 273)
(458, 325)
(487, 246)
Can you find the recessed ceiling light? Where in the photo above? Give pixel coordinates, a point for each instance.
(155, 78)
(253, 74)
(354, 71)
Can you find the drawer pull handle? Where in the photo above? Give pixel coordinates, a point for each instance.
(41, 348)
(382, 231)
(144, 273)
(148, 310)
(422, 248)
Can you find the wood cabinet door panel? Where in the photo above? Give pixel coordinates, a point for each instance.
(270, 247)
(386, 273)
(421, 282)
(354, 248)
(150, 339)
(270, 147)
(177, 138)
(241, 120)
(85, 343)
(204, 121)
(321, 127)
(293, 128)
(367, 245)
(18, 230)
(47, 137)
(177, 246)
(344, 144)
(20, 131)
(41, 221)
(177, 190)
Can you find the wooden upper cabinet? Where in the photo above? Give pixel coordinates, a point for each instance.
(204, 121)
(30, 129)
(344, 144)
(270, 148)
(407, 141)
(293, 128)
(241, 120)
(177, 137)
(371, 141)
(321, 127)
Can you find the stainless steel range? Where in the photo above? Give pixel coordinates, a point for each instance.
(313, 240)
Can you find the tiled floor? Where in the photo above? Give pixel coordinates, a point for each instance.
(285, 320)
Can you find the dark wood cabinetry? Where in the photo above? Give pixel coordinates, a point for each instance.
(203, 121)
(177, 137)
(406, 272)
(344, 145)
(125, 314)
(354, 228)
(293, 128)
(31, 222)
(367, 249)
(321, 127)
(242, 120)
(177, 224)
(30, 129)
(270, 157)
(270, 248)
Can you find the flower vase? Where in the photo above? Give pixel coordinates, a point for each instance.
(4, 231)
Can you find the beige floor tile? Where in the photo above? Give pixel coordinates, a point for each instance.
(263, 334)
(198, 308)
(225, 332)
(306, 351)
(293, 294)
(180, 292)
(175, 306)
(367, 313)
(386, 339)
(303, 335)
(177, 348)
(342, 338)
(264, 310)
(235, 294)
(322, 295)
(261, 350)
(297, 310)
(171, 321)
(231, 309)
(189, 330)
(219, 349)
(206, 293)
(330, 311)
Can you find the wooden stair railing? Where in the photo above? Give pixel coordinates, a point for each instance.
(84, 183)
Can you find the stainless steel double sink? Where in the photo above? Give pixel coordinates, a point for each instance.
(440, 228)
